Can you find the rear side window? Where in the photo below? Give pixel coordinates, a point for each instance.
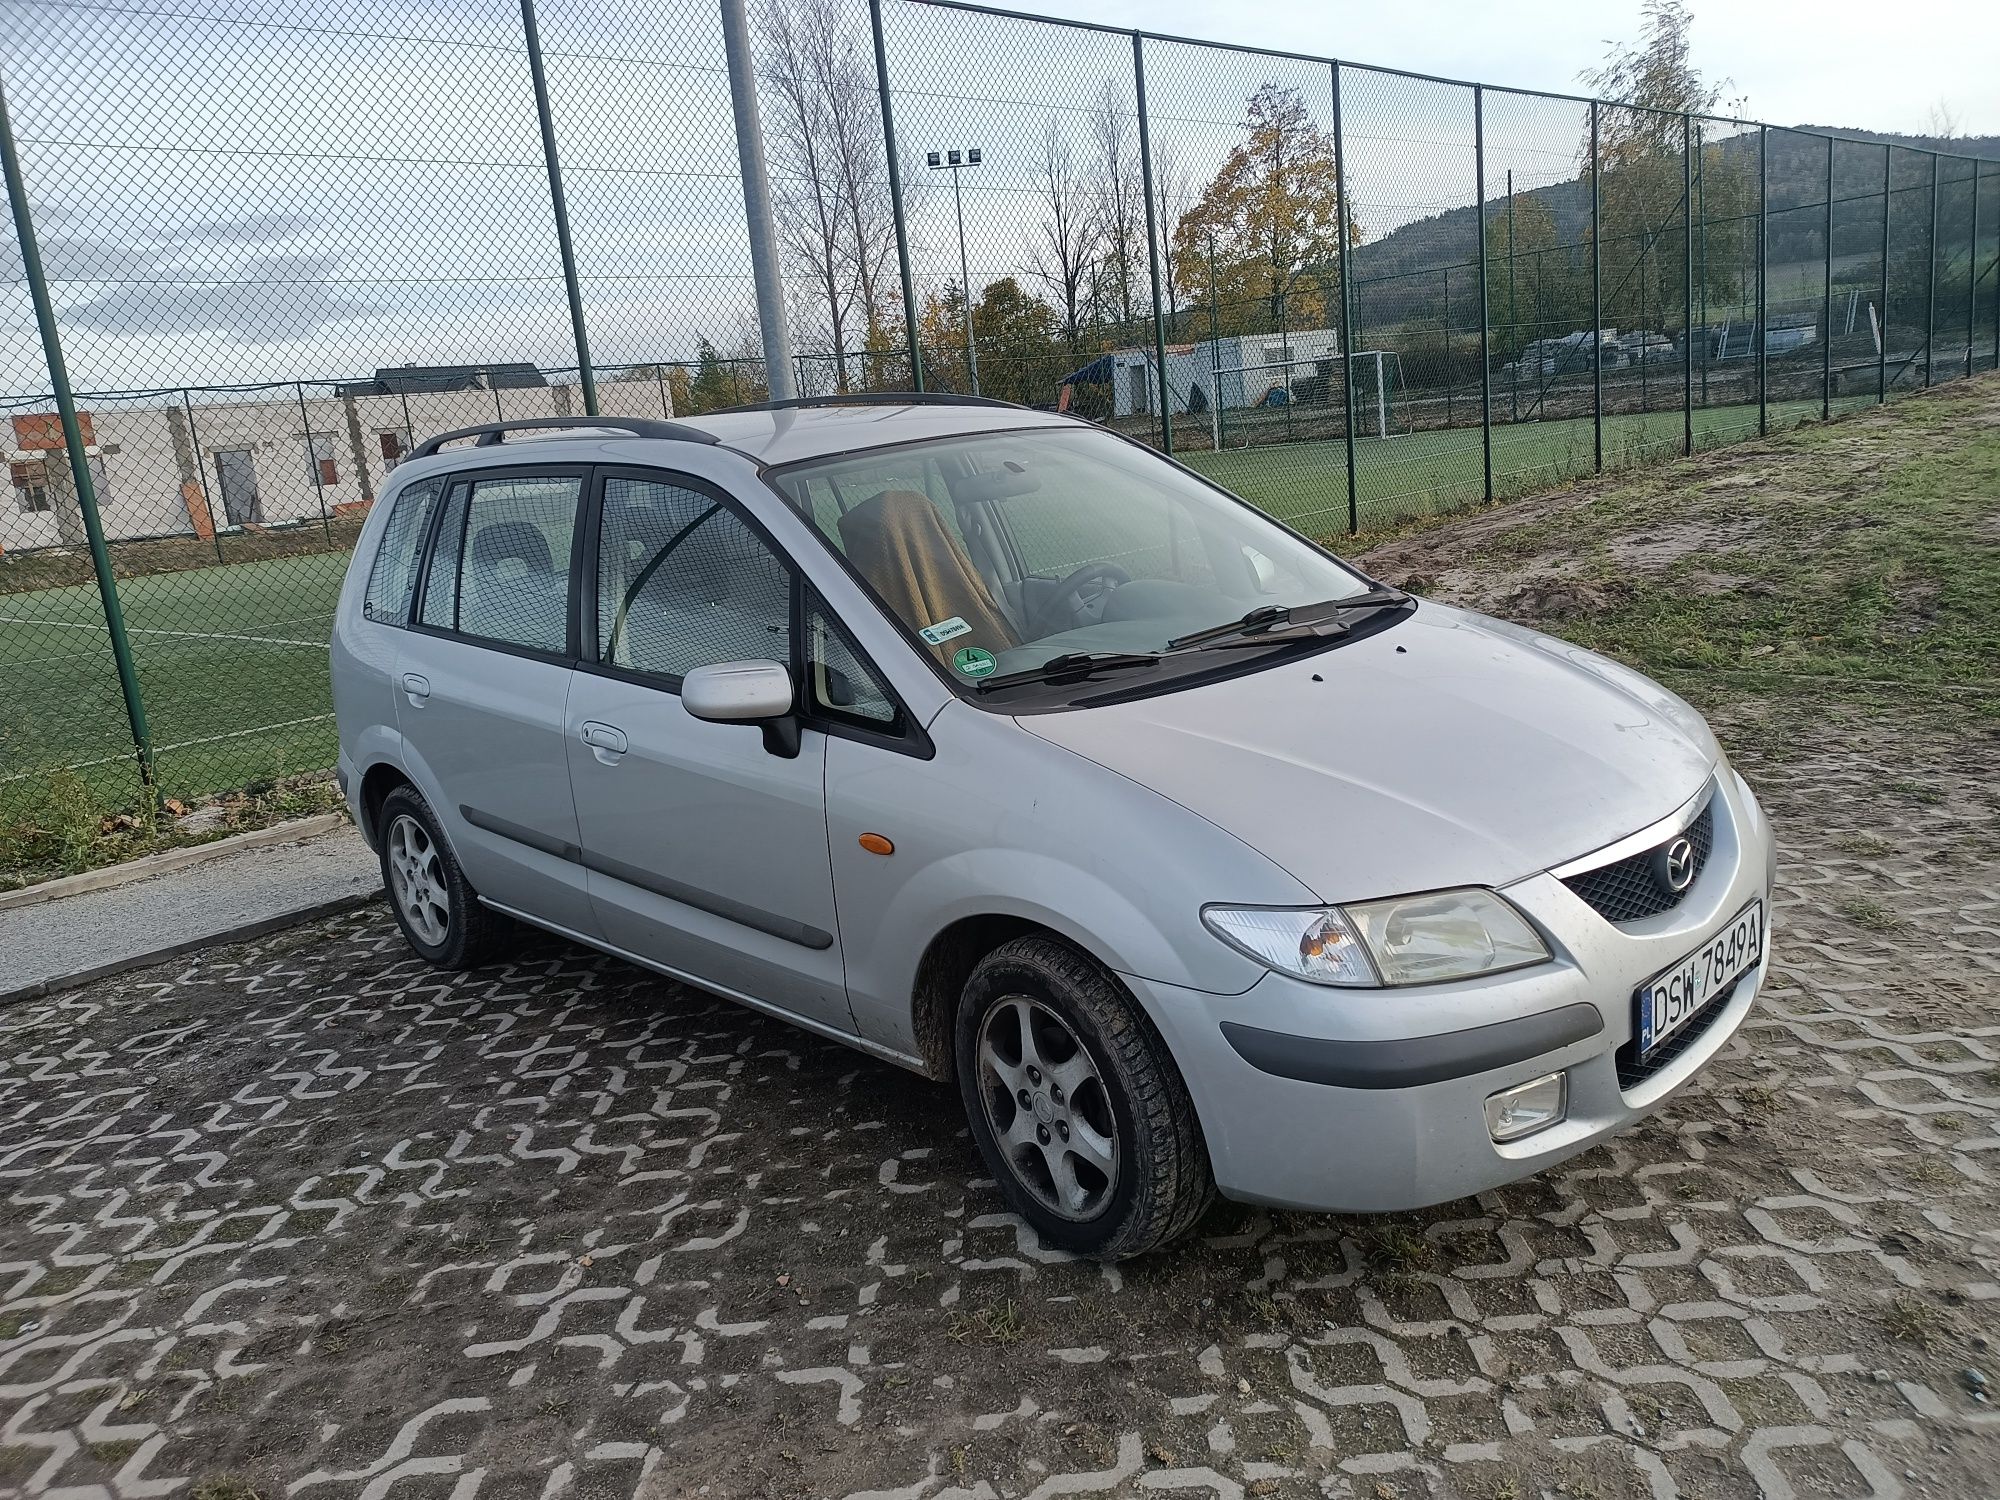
(394, 575)
(500, 570)
(682, 583)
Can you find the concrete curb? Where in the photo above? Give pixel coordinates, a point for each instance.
(244, 933)
(297, 830)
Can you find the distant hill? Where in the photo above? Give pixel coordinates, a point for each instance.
(1795, 172)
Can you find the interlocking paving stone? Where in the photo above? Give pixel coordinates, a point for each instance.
(304, 1218)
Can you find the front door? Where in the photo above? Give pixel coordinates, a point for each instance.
(705, 852)
(236, 469)
(483, 681)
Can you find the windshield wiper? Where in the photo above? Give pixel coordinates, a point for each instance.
(1289, 622)
(1072, 666)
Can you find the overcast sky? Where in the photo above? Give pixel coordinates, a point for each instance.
(1873, 66)
(259, 190)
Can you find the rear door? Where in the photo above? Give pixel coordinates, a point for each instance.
(706, 852)
(484, 676)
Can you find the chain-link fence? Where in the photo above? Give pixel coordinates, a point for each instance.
(280, 242)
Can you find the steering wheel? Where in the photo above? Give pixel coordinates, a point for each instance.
(1059, 609)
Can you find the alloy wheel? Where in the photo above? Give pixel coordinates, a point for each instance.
(1048, 1107)
(416, 880)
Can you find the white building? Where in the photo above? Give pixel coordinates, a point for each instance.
(174, 466)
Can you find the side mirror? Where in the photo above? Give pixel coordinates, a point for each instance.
(745, 692)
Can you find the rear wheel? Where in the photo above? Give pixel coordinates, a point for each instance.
(434, 903)
(1076, 1104)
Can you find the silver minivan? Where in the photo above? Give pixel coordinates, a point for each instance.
(1000, 747)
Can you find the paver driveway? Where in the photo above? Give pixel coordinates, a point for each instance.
(304, 1218)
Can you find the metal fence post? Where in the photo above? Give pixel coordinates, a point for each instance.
(1763, 257)
(1485, 354)
(1930, 281)
(1972, 269)
(1596, 297)
(73, 445)
(1687, 284)
(531, 28)
(1347, 304)
(1152, 240)
(896, 195)
(1882, 309)
(312, 461)
(1826, 296)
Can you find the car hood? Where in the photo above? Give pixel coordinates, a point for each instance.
(1449, 749)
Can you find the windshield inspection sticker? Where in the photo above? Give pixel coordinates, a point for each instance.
(971, 661)
(944, 630)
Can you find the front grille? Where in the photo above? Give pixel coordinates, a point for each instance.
(1632, 888)
(1632, 1072)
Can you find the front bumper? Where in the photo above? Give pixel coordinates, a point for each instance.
(1403, 1125)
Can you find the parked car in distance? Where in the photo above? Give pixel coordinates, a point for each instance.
(1002, 748)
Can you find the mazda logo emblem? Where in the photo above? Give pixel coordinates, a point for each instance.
(1674, 865)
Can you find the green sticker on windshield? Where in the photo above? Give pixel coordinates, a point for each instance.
(971, 661)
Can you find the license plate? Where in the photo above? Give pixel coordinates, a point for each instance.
(1675, 996)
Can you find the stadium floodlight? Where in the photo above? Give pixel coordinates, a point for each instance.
(956, 161)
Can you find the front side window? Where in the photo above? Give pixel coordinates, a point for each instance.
(682, 583)
(500, 570)
(1002, 551)
(393, 577)
(843, 685)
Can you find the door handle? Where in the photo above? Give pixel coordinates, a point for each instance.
(606, 740)
(418, 688)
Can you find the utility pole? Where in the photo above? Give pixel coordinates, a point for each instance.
(764, 275)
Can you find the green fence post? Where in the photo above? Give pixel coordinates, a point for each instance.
(79, 461)
(1153, 242)
(1485, 312)
(1687, 284)
(1972, 269)
(1513, 315)
(1882, 307)
(1763, 258)
(1347, 303)
(1596, 298)
(896, 195)
(1826, 296)
(531, 28)
(1930, 281)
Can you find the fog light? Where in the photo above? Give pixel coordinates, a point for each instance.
(1527, 1107)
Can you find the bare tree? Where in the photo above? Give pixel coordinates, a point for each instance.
(1173, 192)
(1066, 241)
(829, 178)
(1118, 196)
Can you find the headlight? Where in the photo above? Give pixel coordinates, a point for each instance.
(1405, 940)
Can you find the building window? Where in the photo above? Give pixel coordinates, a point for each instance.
(396, 445)
(322, 469)
(31, 487)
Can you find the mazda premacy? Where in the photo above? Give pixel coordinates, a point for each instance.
(1000, 747)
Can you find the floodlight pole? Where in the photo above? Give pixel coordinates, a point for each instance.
(1596, 298)
(764, 274)
(1485, 308)
(950, 161)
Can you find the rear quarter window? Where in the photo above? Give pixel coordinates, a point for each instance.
(393, 576)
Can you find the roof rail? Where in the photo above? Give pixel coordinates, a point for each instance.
(490, 434)
(881, 398)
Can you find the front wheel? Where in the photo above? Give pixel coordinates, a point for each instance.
(1076, 1103)
(435, 904)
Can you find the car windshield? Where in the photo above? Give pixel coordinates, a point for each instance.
(1005, 552)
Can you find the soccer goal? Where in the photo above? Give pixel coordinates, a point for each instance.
(1302, 382)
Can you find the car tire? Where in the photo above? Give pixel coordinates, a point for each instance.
(435, 905)
(1111, 1166)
